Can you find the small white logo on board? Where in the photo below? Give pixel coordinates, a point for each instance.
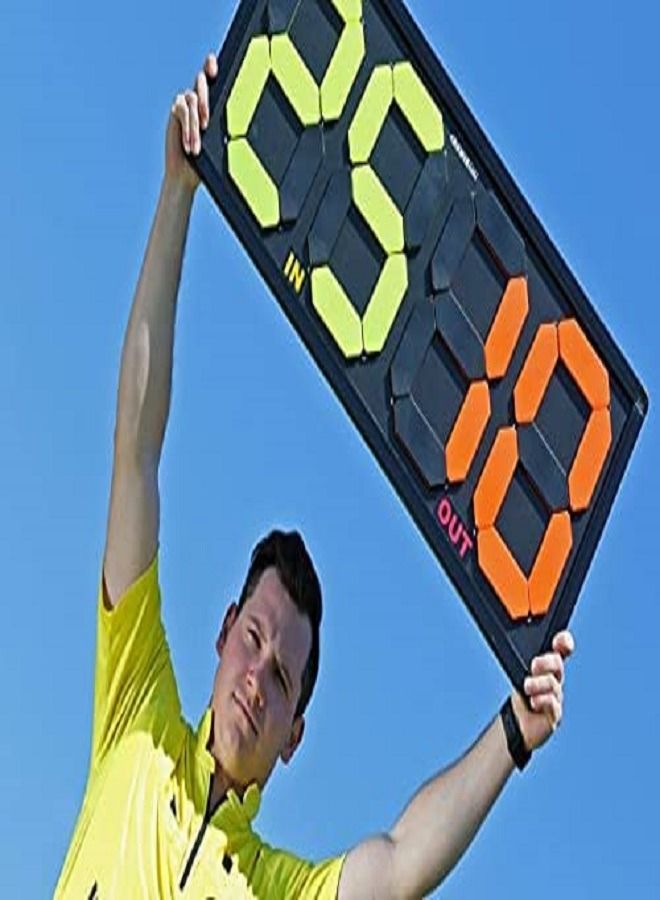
(465, 159)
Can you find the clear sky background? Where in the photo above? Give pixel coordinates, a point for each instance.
(569, 94)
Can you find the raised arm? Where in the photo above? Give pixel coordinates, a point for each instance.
(145, 376)
(443, 817)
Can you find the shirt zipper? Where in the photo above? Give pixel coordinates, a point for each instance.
(198, 840)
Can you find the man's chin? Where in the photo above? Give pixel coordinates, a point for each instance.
(234, 754)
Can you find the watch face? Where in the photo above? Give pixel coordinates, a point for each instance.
(417, 276)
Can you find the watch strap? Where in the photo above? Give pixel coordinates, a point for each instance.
(514, 738)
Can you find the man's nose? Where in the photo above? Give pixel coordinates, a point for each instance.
(255, 683)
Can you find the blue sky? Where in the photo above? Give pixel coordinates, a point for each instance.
(568, 93)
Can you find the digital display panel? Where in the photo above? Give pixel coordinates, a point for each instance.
(414, 271)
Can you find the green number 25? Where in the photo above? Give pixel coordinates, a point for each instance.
(389, 84)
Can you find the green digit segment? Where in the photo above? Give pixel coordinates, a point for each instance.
(387, 85)
(245, 168)
(418, 107)
(295, 79)
(277, 56)
(342, 70)
(345, 62)
(370, 115)
(248, 87)
(385, 302)
(337, 312)
(254, 182)
(378, 209)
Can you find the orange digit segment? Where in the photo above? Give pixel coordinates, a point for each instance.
(580, 359)
(591, 377)
(496, 478)
(549, 563)
(506, 327)
(536, 374)
(503, 572)
(589, 459)
(467, 431)
(495, 559)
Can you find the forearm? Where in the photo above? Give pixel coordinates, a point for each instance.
(146, 364)
(444, 816)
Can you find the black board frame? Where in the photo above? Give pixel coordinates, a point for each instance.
(479, 148)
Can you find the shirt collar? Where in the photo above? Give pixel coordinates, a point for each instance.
(232, 814)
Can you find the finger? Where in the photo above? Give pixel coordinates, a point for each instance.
(211, 66)
(564, 643)
(543, 684)
(181, 112)
(202, 88)
(548, 704)
(193, 111)
(549, 663)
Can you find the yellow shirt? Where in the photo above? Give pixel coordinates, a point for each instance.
(142, 830)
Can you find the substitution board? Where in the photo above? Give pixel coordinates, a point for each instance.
(416, 274)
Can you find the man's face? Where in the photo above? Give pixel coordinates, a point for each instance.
(263, 649)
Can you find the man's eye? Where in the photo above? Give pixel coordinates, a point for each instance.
(254, 636)
(282, 682)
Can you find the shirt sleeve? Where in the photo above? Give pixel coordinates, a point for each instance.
(280, 874)
(134, 685)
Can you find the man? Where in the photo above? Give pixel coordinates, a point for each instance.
(168, 810)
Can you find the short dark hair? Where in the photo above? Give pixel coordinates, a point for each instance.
(286, 552)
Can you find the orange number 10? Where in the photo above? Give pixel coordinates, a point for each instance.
(524, 596)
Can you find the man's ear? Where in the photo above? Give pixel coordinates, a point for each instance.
(295, 739)
(230, 617)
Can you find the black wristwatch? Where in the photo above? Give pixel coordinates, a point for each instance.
(514, 739)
